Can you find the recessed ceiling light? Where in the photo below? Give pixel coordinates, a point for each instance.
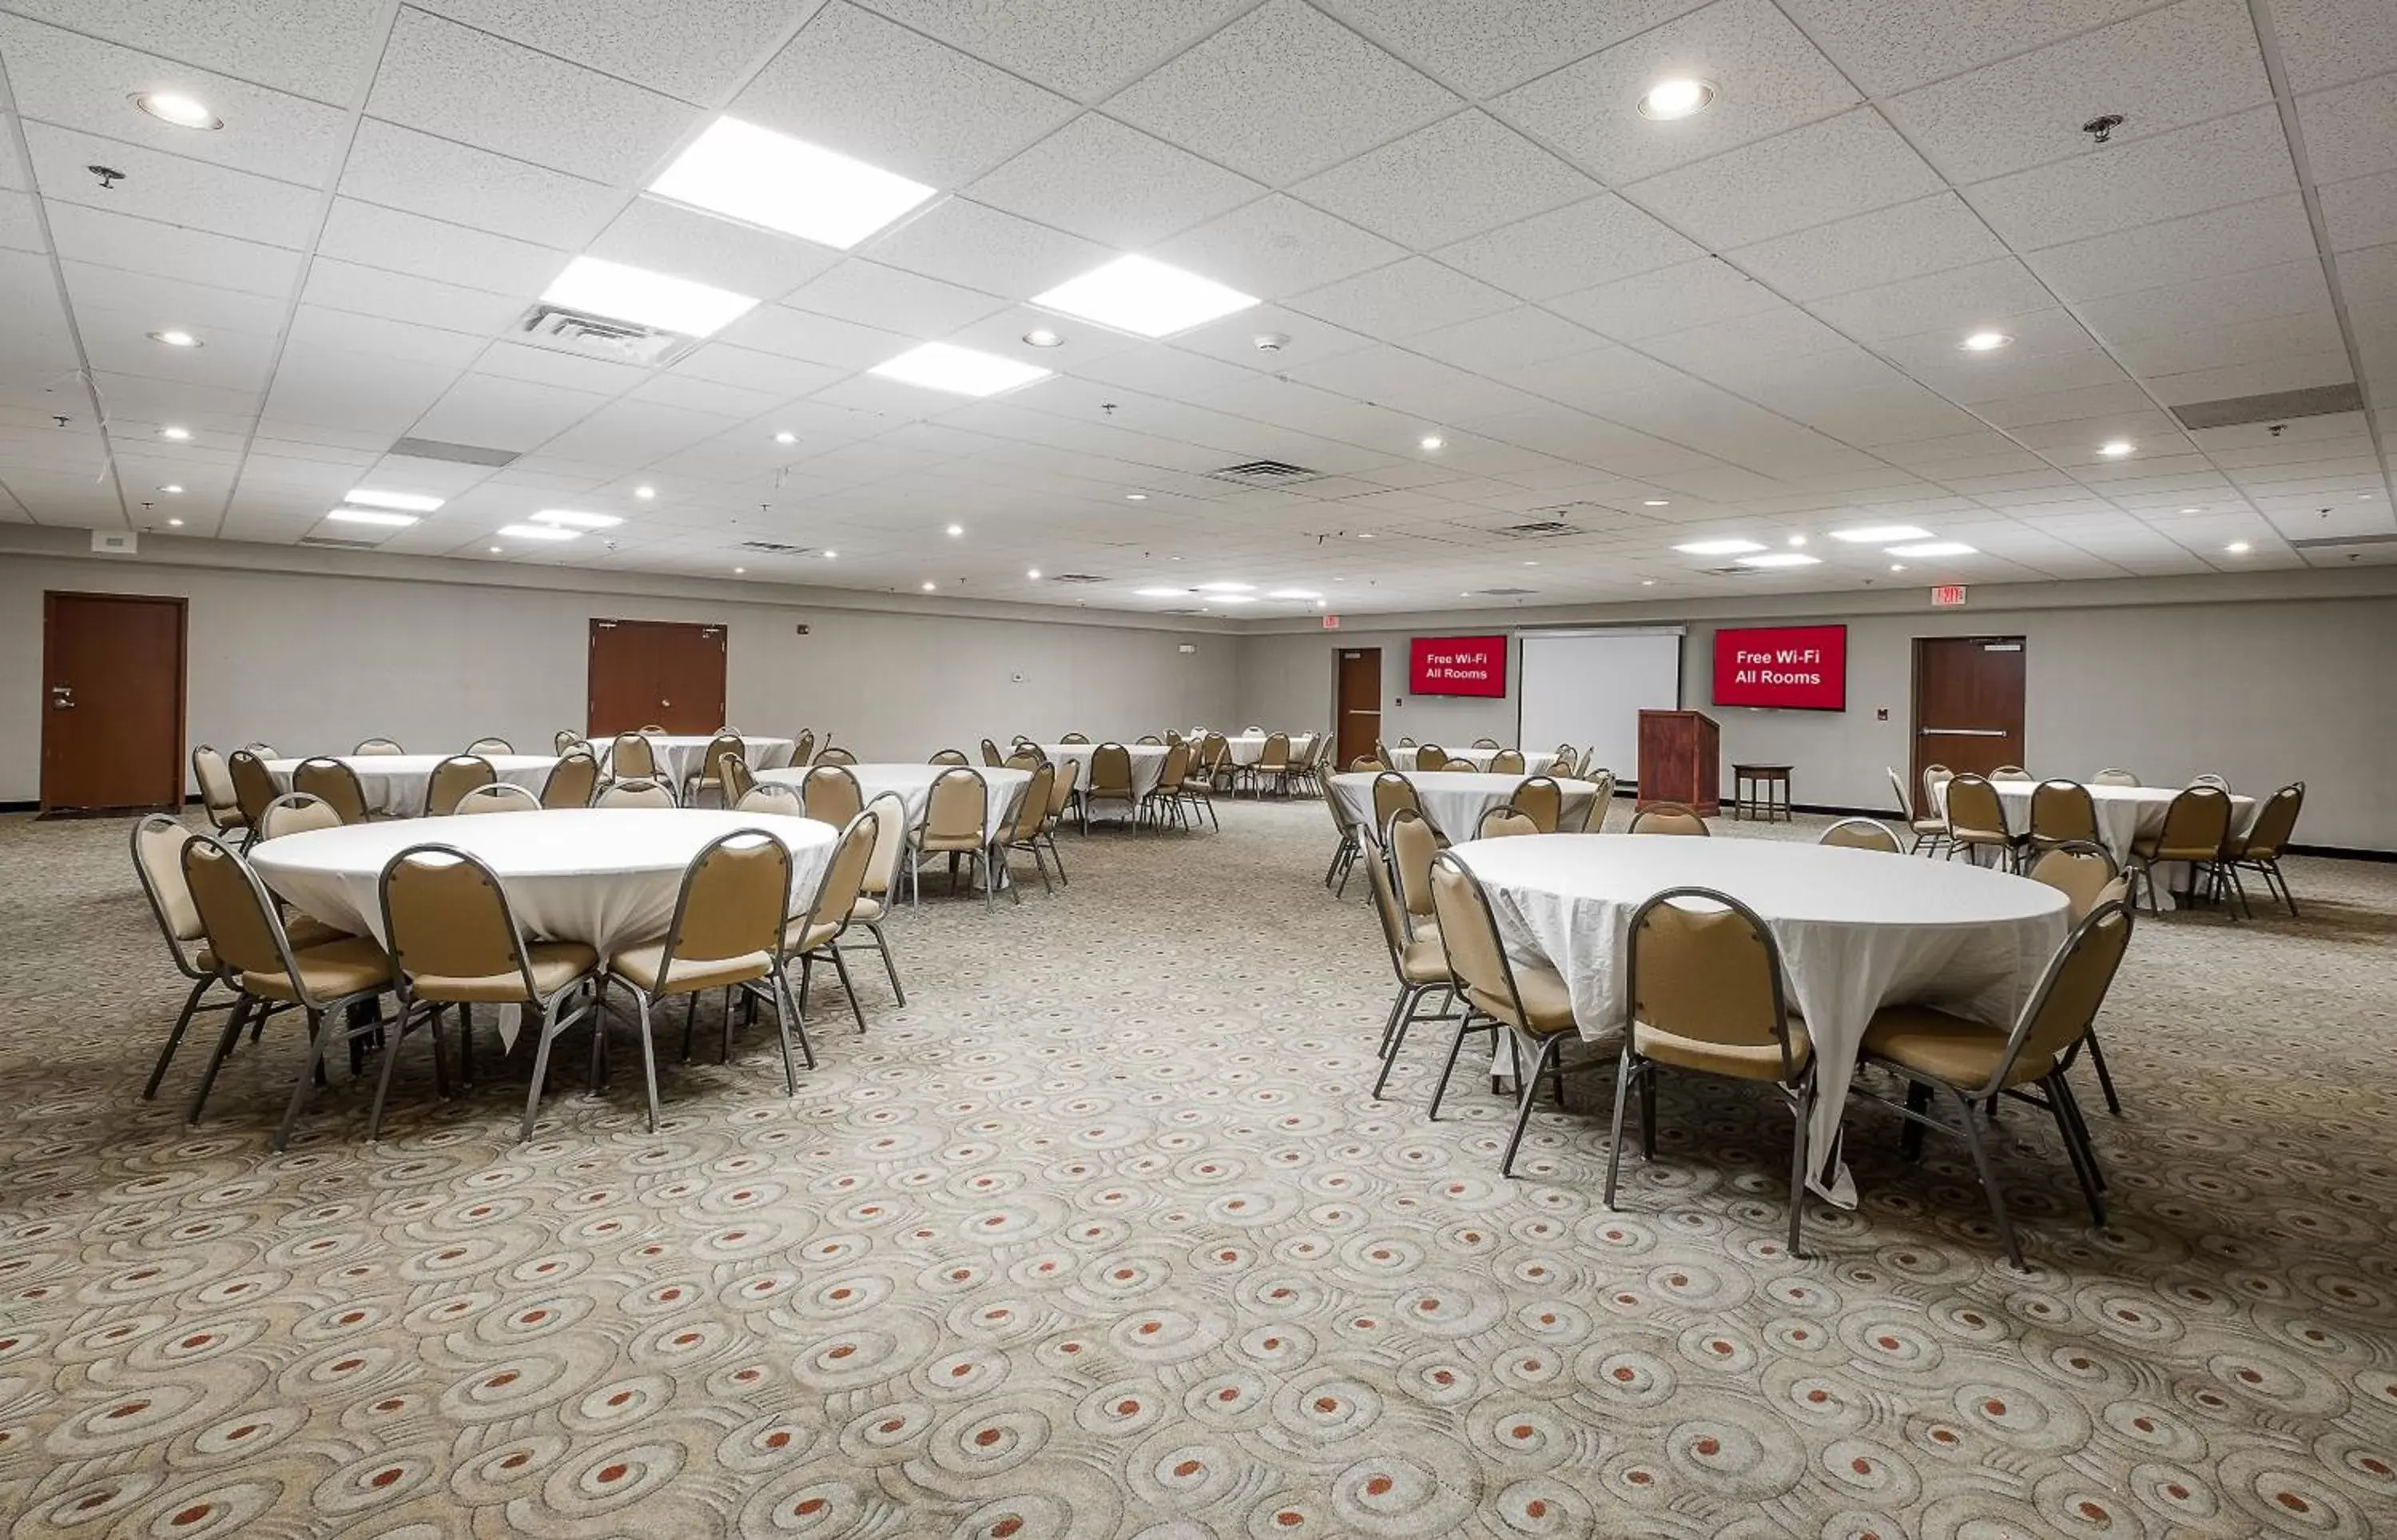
(930, 587)
(1985, 342)
(1898, 567)
(578, 520)
(1138, 294)
(2238, 547)
(1160, 592)
(1880, 533)
(2116, 448)
(2364, 496)
(1678, 98)
(1294, 594)
(1781, 558)
(944, 366)
(645, 493)
(787, 436)
(738, 571)
(1235, 598)
(172, 487)
(1656, 502)
(955, 530)
(538, 532)
(1136, 497)
(1530, 564)
(832, 556)
(1647, 582)
(1227, 588)
(1323, 603)
(495, 550)
(1041, 337)
(407, 502)
(1717, 548)
(177, 435)
(1431, 441)
(371, 516)
(1796, 539)
(177, 339)
(1034, 573)
(1364, 534)
(1934, 548)
(177, 523)
(178, 108)
(646, 298)
(743, 172)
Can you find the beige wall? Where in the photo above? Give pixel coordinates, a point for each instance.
(313, 661)
(2170, 680)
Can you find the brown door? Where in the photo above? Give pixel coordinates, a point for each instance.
(1968, 704)
(1359, 702)
(655, 674)
(112, 707)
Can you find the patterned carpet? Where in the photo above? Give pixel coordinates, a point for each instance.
(1102, 1236)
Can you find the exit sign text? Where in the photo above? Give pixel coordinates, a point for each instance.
(1951, 596)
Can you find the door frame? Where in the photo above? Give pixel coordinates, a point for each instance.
(1915, 758)
(179, 776)
(1339, 710)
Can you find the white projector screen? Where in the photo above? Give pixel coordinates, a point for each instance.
(1588, 687)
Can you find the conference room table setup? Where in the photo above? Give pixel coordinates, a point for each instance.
(678, 755)
(1455, 802)
(394, 785)
(1147, 764)
(912, 784)
(1536, 761)
(2126, 815)
(1250, 748)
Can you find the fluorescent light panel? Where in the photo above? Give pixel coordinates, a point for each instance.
(1717, 548)
(1137, 293)
(646, 298)
(1781, 558)
(743, 172)
(578, 520)
(538, 532)
(1227, 588)
(1162, 592)
(1294, 594)
(943, 367)
(1880, 533)
(371, 516)
(407, 502)
(1934, 548)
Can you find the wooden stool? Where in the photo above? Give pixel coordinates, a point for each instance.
(1747, 780)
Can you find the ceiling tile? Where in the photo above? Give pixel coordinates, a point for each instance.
(1804, 178)
(371, 337)
(320, 48)
(2199, 245)
(856, 83)
(375, 237)
(1599, 374)
(704, 52)
(1494, 344)
(172, 303)
(1483, 46)
(1592, 242)
(20, 227)
(2285, 288)
(762, 373)
(443, 179)
(1886, 46)
(2361, 212)
(1100, 180)
(1282, 92)
(1954, 303)
(1403, 299)
(1276, 247)
(1782, 332)
(445, 79)
(1925, 236)
(1085, 49)
(169, 251)
(2116, 187)
(2368, 277)
(2184, 350)
(1668, 300)
(333, 387)
(813, 339)
(1304, 339)
(2351, 131)
(2328, 42)
(171, 190)
(1456, 178)
(872, 295)
(964, 242)
(1770, 79)
(666, 237)
(504, 414)
(540, 366)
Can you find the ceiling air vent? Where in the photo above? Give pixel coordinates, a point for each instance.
(563, 330)
(2273, 406)
(457, 454)
(1507, 593)
(2332, 542)
(1265, 473)
(1538, 529)
(332, 542)
(1078, 577)
(775, 548)
(1729, 572)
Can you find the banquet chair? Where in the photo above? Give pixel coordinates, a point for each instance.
(2196, 827)
(1863, 834)
(1349, 845)
(1506, 761)
(1391, 793)
(2011, 773)
(1031, 815)
(991, 756)
(2259, 849)
(734, 779)
(1706, 994)
(1487, 743)
(296, 812)
(1529, 1001)
(651, 729)
(253, 786)
(1272, 764)
(881, 890)
(571, 779)
(1110, 782)
(727, 730)
(1542, 801)
(1164, 799)
(452, 779)
(255, 955)
(336, 783)
(1668, 817)
(1977, 821)
(455, 943)
(1301, 776)
(1431, 756)
(490, 745)
(1025, 760)
(2085, 873)
(834, 756)
(1973, 1065)
(1565, 760)
(709, 775)
(2061, 812)
(957, 823)
(1253, 729)
(1933, 778)
(2115, 777)
(639, 791)
(563, 741)
(1197, 794)
(772, 797)
(1418, 961)
(263, 751)
(1406, 743)
(1061, 805)
(1074, 738)
(1499, 822)
(815, 935)
(498, 797)
(1364, 762)
(2211, 779)
(803, 746)
(1602, 801)
(831, 795)
(727, 932)
(631, 757)
(1930, 833)
(218, 798)
(1410, 846)
(378, 746)
(949, 756)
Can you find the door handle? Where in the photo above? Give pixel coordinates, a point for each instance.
(1965, 732)
(63, 697)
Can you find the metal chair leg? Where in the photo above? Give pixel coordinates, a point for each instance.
(235, 1020)
(541, 1067)
(1804, 1111)
(840, 966)
(649, 1056)
(317, 1036)
(1623, 1073)
(2072, 1148)
(1989, 1181)
(1540, 1061)
(783, 1012)
(2105, 1079)
(1464, 1025)
(174, 1038)
(874, 928)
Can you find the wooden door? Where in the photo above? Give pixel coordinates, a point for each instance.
(112, 701)
(1359, 702)
(1968, 704)
(655, 672)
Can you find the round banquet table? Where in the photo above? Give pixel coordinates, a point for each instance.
(2125, 814)
(1148, 763)
(1249, 748)
(1857, 929)
(678, 754)
(912, 784)
(1454, 801)
(605, 877)
(1535, 761)
(395, 784)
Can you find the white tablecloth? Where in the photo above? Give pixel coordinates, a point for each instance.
(1858, 929)
(606, 877)
(913, 785)
(1250, 748)
(1454, 801)
(679, 756)
(1535, 761)
(395, 784)
(1148, 763)
(2124, 815)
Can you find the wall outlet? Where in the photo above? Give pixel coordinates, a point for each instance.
(1881, 713)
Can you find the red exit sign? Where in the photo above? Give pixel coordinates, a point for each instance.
(1951, 596)
(1332, 622)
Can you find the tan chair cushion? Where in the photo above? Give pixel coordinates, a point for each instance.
(1741, 1061)
(639, 965)
(930, 843)
(554, 964)
(799, 937)
(1548, 1004)
(345, 967)
(308, 931)
(1962, 1054)
(866, 911)
(1423, 961)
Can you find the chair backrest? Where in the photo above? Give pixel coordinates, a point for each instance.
(1469, 934)
(1033, 811)
(735, 894)
(1485, 743)
(1541, 800)
(1667, 817)
(562, 742)
(490, 745)
(1506, 761)
(991, 756)
(890, 843)
(1862, 834)
(1150, 739)
(832, 795)
(803, 747)
(631, 758)
(1175, 770)
(1074, 738)
(1408, 843)
(1276, 754)
(1565, 762)
(334, 781)
(571, 779)
(949, 756)
(1391, 793)
(639, 791)
(1431, 756)
(1406, 743)
(263, 751)
(832, 756)
(734, 776)
(1974, 807)
(1897, 790)
(844, 876)
(772, 797)
(296, 812)
(1601, 799)
(2081, 869)
(2196, 824)
(1111, 771)
(237, 919)
(2011, 773)
(1061, 794)
(2074, 988)
(2115, 777)
(957, 807)
(1499, 822)
(1704, 967)
(379, 746)
(253, 785)
(720, 745)
(1027, 759)
(1933, 778)
(2211, 779)
(648, 728)
(217, 794)
(2269, 835)
(2062, 810)
(452, 779)
(446, 920)
(498, 797)
(1366, 762)
(158, 862)
(1387, 908)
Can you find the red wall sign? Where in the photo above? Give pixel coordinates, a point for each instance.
(1459, 665)
(1797, 668)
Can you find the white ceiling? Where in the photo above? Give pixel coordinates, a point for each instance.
(1450, 207)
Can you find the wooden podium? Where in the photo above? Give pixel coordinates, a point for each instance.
(1678, 761)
